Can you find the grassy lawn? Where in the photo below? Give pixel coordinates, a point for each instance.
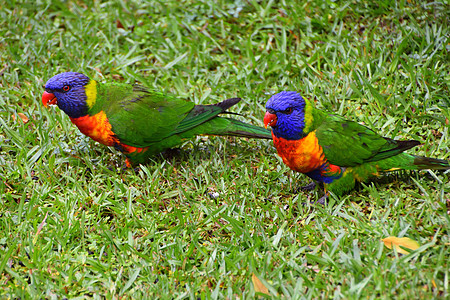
(200, 222)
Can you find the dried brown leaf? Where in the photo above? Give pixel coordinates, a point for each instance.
(40, 228)
(258, 285)
(23, 117)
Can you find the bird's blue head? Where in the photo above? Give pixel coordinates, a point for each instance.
(68, 91)
(286, 115)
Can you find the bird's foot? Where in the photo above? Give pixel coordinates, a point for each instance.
(322, 200)
(128, 163)
(309, 187)
(171, 153)
(129, 166)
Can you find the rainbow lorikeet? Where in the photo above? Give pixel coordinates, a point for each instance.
(330, 149)
(137, 121)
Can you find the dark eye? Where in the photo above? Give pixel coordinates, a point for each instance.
(66, 88)
(288, 110)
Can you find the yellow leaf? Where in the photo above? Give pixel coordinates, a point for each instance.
(433, 283)
(397, 242)
(258, 285)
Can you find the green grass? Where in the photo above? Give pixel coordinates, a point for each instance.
(158, 232)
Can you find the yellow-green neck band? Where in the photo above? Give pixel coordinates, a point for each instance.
(91, 93)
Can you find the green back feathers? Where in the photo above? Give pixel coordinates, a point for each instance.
(140, 117)
(346, 143)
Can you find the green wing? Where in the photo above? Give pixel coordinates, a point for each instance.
(346, 143)
(140, 117)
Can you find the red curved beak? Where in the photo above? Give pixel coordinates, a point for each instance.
(270, 119)
(48, 99)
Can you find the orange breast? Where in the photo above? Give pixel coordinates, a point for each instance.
(303, 155)
(96, 127)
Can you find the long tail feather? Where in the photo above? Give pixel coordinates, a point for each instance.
(233, 127)
(241, 129)
(431, 163)
(226, 104)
